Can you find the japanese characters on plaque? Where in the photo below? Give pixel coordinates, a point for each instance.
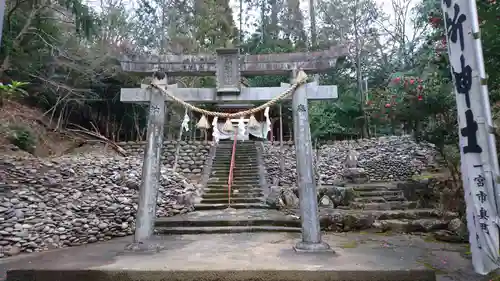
(228, 72)
(158, 149)
(154, 109)
(478, 183)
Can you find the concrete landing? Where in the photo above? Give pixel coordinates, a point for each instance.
(245, 256)
(228, 221)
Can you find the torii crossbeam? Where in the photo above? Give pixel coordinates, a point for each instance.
(250, 65)
(208, 95)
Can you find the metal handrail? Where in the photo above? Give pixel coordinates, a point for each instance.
(231, 168)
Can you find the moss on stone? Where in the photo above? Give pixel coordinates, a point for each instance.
(423, 176)
(349, 245)
(430, 266)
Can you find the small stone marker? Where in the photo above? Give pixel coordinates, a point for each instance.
(351, 160)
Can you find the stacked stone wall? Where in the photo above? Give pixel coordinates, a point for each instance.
(88, 196)
(382, 159)
(191, 158)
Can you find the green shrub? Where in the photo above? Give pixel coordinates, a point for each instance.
(23, 138)
(12, 90)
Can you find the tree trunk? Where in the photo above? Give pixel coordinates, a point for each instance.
(312, 15)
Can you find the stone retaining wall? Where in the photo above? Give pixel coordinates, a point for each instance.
(191, 160)
(382, 159)
(80, 199)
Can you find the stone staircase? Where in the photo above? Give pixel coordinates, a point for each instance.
(246, 192)
(388, 205)
(380, 196)
(248, 213)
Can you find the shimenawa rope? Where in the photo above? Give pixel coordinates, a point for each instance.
(301, 79)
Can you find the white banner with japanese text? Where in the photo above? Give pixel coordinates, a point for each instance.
(259, 132)
(477, 167)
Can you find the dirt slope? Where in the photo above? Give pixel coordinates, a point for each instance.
(48, 142)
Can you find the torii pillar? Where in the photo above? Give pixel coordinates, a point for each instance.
(311, 230)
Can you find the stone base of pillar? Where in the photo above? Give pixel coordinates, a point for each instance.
(150, 246)
(307, 247)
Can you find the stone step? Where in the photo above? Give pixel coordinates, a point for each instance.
(370, 200)
(384, 206)
(242, 150)
(238, 157)
(240, 145)
(380, 187)
(240, 169)
(230, 148)
(237, 167)
(222, 189)
(200, 206)
(226, 156)
(237, 163)
(381, 193)
(236, 174)
(222, 162)
(235, 220)
(382, 215)
(236, 181)
(233, 195)
(233, 200)
(217, 163)
(224, 229)
(408, 214)
(223, 195)
(241, 178)
(238, 142)
(223, 182)
(245, 150)
(378, 199)
(395, 198)
(410, 225)
(412, 214)
(229, 143)
(234, 185)
(237, 160)
(238, 152)
(221, 173)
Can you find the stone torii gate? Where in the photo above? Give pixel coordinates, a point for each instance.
(228, 67)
